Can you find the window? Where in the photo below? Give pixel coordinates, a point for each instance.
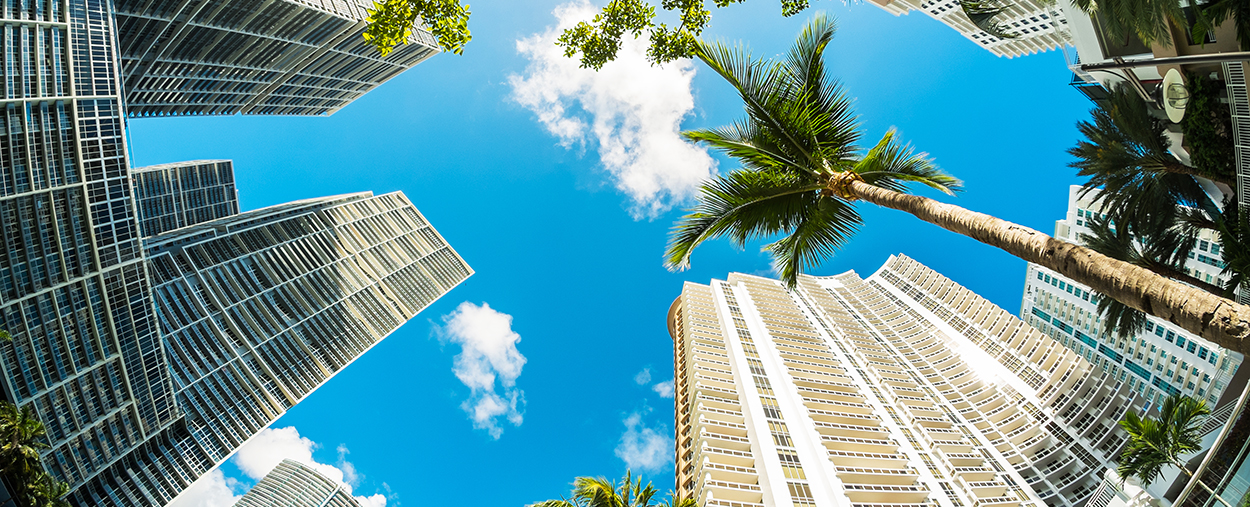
(1180, 340)
(1192, 346)
(1039, 275)
(1150, 326)
(1159, 331)
(1170, 336)
(1203, 245)
(1086, 295)
(1063, 286)
(1047, 279)
(1202, 352)
(1206, 377)
(1080, 213)
(1213, 359)
(1215, 248)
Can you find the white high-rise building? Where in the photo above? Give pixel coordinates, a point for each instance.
(1161, 360)
(904, 390)
(1038, 25)
(294, 484)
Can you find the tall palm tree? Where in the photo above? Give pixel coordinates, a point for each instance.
(45, 491)
(1157, 443)
(601, 492)
(803, 175)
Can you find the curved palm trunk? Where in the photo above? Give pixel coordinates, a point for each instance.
(1179, 168)
(1204, 314)
(1164, 270)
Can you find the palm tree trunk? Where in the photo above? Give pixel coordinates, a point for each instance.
(1176, 274)
(1204, 314)
(1179, 168)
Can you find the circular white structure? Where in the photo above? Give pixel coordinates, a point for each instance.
(1175, 95)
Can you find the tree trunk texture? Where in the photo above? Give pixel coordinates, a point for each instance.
(1219, 320)
(1176, 274)
(1179, 168)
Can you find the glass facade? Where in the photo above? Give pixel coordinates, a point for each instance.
(171, 196)
(272, 57)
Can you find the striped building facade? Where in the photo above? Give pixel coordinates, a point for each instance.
(902, 390)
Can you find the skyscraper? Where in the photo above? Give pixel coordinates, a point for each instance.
(294, 484)
(1037, 25)
(1158, 361)
(74, 290)
(272, 57)
(902, 389)
(257, 310)
(171, 196)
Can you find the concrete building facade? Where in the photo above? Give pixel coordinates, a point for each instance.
(903, 389)
(1037, 25)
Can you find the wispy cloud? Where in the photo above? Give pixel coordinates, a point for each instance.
(212, 489)
(664, 389)
(643, 448)
(629, 111)
(643, 377)
(488, 356)
(272, 445)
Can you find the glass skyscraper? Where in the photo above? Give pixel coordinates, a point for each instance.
(902, 389)
(177, 195)
(273, 57)
(76, 292)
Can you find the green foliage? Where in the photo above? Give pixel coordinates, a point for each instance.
(1213, 14)
(798, 134)
(21, 441)
(1160, 442)
(1125, 154)
(1148, 20)
(1234, 232)
(1208, 128)
(600, 492)
(599, 40)
(391, 23)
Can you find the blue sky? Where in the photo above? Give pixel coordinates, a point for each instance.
(567, 241)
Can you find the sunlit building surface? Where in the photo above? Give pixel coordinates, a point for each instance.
(294, 484)
(171, 196)
(1037, 25)
(1159, 361)
(904, 389)
(272, 57)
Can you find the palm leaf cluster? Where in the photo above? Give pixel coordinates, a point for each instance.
(799, 134)
(21, 441)
(1164, 441)
(601, 492)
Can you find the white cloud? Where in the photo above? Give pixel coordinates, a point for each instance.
(272, 445)
(664, 389)
(488, 354)
(643, 377)
(212, 489)
(644, 448)
(630, 111)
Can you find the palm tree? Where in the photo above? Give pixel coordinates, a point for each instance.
(600, 492)
(1126, 153)
(21, 435)
(1211, 15)
(1146, 19)
(803, 175)
(1157, 443)
(45, 491)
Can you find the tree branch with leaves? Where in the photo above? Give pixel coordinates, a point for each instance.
(391, 23)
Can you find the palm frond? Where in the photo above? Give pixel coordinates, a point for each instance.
(890, 165)
(743, 205)
(821, 229)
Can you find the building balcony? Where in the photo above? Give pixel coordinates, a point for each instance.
(732, 491)
(929, 422)
(897, 476)
(713, 425)
(724, 472)
(851, 430)
(961, 459)
(841, 443)
(825, 394)
(837, 406)
(840, 417)
(974, 474)
(715, 502)
(727, 456)
(725, 441)
(1008, 500)
(984, 489)
(885, 493)
(867, 460)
